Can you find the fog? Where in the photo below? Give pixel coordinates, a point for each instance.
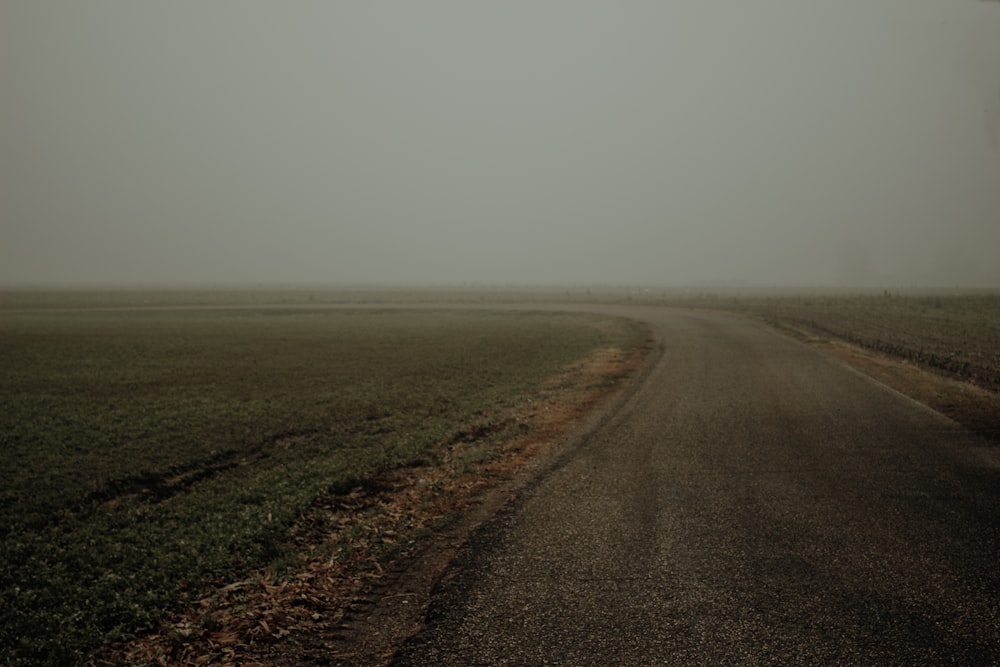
(775, 142)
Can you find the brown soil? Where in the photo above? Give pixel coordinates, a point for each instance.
(367, 560)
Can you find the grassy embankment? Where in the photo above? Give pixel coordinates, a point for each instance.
(145, 454)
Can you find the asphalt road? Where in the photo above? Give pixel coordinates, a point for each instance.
(754, 502)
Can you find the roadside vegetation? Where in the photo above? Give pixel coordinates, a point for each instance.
(147, 454)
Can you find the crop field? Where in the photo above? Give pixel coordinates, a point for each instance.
(144, 453)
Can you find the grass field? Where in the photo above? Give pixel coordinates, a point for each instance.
(145, 453)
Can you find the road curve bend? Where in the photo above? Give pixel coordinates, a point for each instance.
(754, 502)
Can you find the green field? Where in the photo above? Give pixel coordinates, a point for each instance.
(146, 453)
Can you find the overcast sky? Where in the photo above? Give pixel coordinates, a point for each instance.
(777, 142)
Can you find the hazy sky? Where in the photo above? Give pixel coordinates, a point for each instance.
(447, 141)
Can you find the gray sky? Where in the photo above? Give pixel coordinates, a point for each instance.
(778, 142)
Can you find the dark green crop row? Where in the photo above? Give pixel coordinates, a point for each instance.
(143, 454)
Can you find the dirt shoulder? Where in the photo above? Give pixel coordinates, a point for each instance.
(971, 406)
(367, 560)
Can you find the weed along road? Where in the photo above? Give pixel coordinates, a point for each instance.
(753, 502)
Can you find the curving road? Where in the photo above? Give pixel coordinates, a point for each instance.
(754, 502)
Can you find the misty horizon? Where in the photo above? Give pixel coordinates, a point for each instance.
(777, 143)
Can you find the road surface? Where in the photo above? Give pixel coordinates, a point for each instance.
(754, 502)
